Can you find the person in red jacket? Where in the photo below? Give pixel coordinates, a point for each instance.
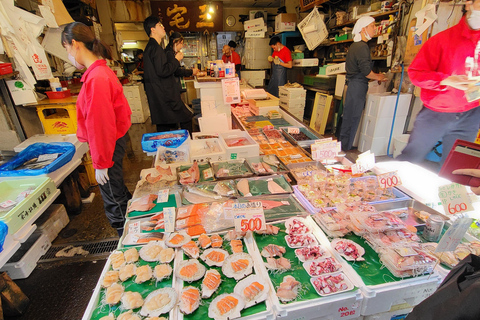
(439, 69)
(229, 55)
(103, 117)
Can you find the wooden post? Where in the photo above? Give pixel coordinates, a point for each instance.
(14, 301)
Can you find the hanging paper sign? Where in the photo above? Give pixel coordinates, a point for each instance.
(162, 196)
(40, 64)
(248, 216)
(454, 235)
(169, 218)
(324, 149)
(455, 199)
(389, 180)
(231, 91)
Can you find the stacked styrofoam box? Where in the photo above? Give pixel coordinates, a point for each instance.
(255, 78)
(293, 100)
(137, 99)
(255, 28)
(256, 53)
(52, 221)
(377, 121)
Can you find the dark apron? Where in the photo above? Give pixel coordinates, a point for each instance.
(278, 78)
(355, 99)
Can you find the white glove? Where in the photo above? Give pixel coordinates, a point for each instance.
(270, 59)
(101, 175)
(276, 60)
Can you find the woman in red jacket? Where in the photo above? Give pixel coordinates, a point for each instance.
(103, 117)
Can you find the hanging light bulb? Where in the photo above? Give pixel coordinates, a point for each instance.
(209, 16)
(210, 9)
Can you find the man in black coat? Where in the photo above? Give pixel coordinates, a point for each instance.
(167, 109)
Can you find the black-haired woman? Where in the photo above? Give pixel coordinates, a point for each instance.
(103, 117)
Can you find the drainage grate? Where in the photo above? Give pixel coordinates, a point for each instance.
(96, 250)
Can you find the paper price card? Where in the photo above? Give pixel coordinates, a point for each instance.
(162, 196)
(454, 235)
(231, 91)
(324, 150)
(293, 130)
(389, 180)
(134, 227)
(248, 216)
(365, 162)
(455, 199)
(169, 218)
(45, 157)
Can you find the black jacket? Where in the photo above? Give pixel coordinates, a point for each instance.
(163, 93)
(181, 71)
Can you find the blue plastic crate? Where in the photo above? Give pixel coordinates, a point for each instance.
(169, 139)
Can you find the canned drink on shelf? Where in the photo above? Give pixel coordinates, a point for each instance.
(433, 228)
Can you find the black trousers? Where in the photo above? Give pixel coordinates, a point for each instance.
(355, 99)
(175, 126)
(114, 193)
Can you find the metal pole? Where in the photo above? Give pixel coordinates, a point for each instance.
(11, 110)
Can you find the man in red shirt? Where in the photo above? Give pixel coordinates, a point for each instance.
(229, 55)
(439, 70)
(282, 60)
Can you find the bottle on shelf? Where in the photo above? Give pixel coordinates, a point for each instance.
(199, 63)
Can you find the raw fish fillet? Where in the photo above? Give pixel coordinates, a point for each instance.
(196, 230)
(128, 316)
(226, 304)
(143, 204)
(110, 278)
(164, 171)
(194, 173)
(253, 290)
(191, 249)
(195, 198)
(270, 204)
(269, 230)
(132, 300)
(114, 293)
(143, 273)
(272, 250)
(189, 300)
(223, 189)
(162, 271)
(127, 271)
(204, 241)
(278, 264)
(131, 255)
(288, 289)
(234, 235)
(267, 167)
(274, 187)
(237, 245)
(210, 283)
(244, 188)
(217, 241)
(118, 260)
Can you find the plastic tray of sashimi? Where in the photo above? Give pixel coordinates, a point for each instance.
(112, 296)
(150, 205)
(308, 302)
(380, 288)
(226, 300)
(264, 185)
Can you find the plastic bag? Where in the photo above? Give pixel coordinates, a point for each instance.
(65, 151)
(3, 234)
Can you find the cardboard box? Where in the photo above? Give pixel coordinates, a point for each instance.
(253, 24)
(291, 93)
(285, 22)
(340, 85)
(253, 34)
(335, 69)
(311, 62)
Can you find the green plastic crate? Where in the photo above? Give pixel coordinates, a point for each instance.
(25, 210)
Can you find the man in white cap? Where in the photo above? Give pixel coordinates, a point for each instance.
(359, 72)
(439, 69)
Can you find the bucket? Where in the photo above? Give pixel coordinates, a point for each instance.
(399, 143)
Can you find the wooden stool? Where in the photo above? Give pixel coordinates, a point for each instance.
(14, 302)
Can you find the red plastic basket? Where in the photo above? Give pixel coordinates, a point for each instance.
(58, 94)
(6, 68)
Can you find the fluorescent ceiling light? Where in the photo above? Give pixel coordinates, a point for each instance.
(129, 42)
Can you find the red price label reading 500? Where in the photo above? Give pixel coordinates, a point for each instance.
(389, 180)
(250, 223)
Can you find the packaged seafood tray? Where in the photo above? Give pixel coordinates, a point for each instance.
(22, 201)
(206, 150)
(209, 192)
(195, 173)
(304, 138)
(332, 223)
(148, 204)
(140, 231)
(239, 145)
(380, 288)
(217, 268)
(128, 271)
(376, 222)
(293, 293)
(403, 237)
(174, 145)
(24, 261)
(266, 165)
(265, 185)
(277, 207)
(406, 261)
(231, 169)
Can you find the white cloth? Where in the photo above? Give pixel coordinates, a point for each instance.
(359, 25)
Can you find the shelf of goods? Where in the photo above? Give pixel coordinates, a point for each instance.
(379, 15)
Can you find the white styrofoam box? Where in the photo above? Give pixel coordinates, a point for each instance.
(200, 150)
(52, 221)
(380, 127)
(285, 22)
(257, 63)
(340, 85)
(389, 315)
(254, 77)
(382, 105)
(335, 69)
(375, 87)
(378, 146)
(309, 62)
(257, 44)
(24, 233)
(399, 143)
(250, 150)
(22, 263)
(253, 24)
(10, 246)
(255, 34)
(291, 93)
(137, 100)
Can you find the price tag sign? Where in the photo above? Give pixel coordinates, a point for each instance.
(365, 162)
(248, 216)
(208, 173)
(454, 235)
(134, 227)
(455, 199)
(324, 150)
(184, 174)
(45, 157)
(293, 130)
(169, 218)
(162, 196)
(389, 180)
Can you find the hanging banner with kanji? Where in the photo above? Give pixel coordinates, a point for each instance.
(189, 15)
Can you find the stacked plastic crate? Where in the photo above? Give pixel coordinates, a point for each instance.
(137, 99)
(293, 100)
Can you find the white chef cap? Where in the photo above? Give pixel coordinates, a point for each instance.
(359, 25)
